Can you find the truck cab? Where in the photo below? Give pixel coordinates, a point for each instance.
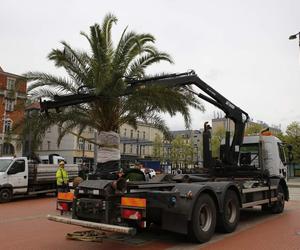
(51, 159)
(13, 176)
(266, 153)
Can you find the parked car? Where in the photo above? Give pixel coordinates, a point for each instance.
(148, 172)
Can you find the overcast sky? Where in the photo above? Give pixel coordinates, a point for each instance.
(240, 48)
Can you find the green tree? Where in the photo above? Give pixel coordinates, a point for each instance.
(103, 71)
(253, 129)
(292, 137)
(177, 145)
(216, 140)
(188, 153)
(182, 152)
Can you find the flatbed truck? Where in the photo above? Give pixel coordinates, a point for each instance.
(250, 171)
(20, 177)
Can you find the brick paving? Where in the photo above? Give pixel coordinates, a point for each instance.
(23, 225)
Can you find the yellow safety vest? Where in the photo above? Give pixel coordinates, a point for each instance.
(61, 176)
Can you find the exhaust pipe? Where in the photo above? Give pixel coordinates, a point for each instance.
(93, 225)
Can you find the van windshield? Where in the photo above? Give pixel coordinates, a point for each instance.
(4, 164)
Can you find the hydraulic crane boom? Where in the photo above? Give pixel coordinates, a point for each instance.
(238, 116)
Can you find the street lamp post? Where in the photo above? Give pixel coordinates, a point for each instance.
(292, 37)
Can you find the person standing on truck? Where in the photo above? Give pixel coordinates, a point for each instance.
(62, 178)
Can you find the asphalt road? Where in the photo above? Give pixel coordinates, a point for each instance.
(23, 225)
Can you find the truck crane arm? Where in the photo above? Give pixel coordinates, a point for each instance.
(237, 115)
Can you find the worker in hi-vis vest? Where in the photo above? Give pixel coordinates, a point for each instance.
(62, 178)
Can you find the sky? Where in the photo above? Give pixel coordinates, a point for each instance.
(240, 48)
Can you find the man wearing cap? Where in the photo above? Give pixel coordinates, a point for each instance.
(62, 178)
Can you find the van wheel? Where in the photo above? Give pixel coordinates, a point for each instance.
(229, 219)
(5, 195)
(203, 223)
(278, 206)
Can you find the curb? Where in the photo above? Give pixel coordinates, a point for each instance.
(295, 185)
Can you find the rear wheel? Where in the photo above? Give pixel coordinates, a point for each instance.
(229, 219)
(5, 195)
(203, 223)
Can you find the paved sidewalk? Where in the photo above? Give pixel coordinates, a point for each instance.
(294, 182)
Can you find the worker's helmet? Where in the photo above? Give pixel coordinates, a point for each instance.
(61, 163)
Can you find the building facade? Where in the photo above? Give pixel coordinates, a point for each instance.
(194, 138)
(135, 144)
(225, 123)
(12, 106)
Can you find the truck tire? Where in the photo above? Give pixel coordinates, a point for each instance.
(5, 195)
(278, 206)
(229, 219)
(203, 223)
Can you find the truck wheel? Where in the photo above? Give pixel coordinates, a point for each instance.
(278, 206)
(5, 195)
(203, 223)
(229, 219)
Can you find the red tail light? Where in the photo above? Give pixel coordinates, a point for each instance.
(131, 214)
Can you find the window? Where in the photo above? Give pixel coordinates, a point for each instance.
(7, 125)
(281, 153)
(144, 135)
(9, 105)
(90, 146)
(249, 155)
(49, 145)
(11, 83)
(80, 143)
(8, 149)
(131, 148)
(143, 149)
(125, 130)
(138, 134)
(131, 133)
(124, 148)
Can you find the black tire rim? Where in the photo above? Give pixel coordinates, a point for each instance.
(280, 199)
(205, 218)
(5, 195)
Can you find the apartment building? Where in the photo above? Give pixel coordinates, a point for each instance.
(135, 143)
(194, 138)
(12, 102)
(225, 123)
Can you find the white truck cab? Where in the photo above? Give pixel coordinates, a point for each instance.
(13, 174)
(272, 153)
(51, 159)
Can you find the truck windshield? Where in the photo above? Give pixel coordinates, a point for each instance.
(249, 155)
(4, 163)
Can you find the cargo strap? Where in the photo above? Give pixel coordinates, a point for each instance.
(90, 235)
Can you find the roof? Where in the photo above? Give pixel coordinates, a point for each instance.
(11, 74)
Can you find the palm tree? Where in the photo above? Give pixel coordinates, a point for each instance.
(103, 70)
